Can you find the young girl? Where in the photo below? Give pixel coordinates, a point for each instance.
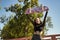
(38, 27)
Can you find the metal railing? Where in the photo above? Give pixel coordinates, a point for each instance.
(48, 37)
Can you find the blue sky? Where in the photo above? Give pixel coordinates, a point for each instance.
(54, 12)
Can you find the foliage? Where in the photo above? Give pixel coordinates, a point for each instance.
(20, 25)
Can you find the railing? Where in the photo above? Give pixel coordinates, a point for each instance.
(48, 37)
(52, 37)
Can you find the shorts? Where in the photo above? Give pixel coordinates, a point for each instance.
(36, 37)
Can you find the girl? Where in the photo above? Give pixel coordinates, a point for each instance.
(38, 27)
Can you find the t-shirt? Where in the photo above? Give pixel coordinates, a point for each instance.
(38, 27)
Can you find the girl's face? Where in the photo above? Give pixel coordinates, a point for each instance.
(38, 20)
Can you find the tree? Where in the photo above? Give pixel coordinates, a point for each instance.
(0, 32)
(20, 25)
(0, 7)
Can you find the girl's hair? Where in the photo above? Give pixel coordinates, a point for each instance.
(35, 21)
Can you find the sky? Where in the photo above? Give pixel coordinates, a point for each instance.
(54, 13)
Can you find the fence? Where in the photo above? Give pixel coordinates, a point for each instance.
(47, 37)
(52, 37)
